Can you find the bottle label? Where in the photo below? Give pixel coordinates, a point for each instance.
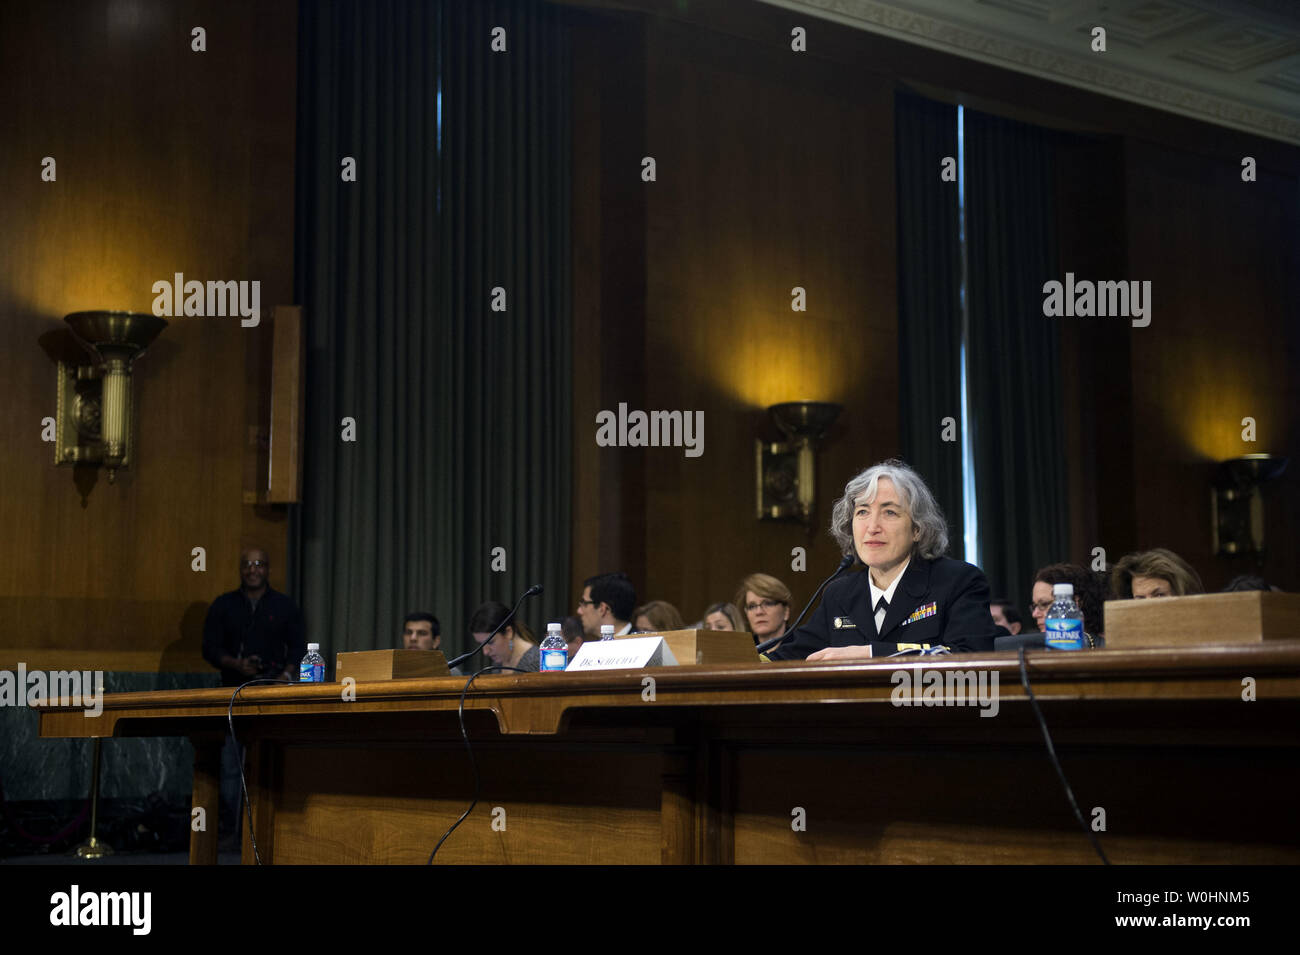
(304, 673)
(1064, 633)
(554, 659)
(311, 672)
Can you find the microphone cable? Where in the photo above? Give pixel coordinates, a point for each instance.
(243, 783)
(1056, 763)
(460, 713)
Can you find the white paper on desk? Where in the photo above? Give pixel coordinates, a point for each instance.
(628, 653)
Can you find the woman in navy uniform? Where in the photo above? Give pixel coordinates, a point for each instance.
(910, 597)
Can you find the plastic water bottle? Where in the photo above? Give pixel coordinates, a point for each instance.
(554, 651)
(607, 631)
(1064, 620)
(312, 669)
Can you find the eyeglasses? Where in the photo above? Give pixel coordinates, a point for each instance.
(586, 603)
(254, 563)
(1043, 605)
(763, 604)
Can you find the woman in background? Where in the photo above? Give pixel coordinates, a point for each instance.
(766, 602)
(513, 646)
(722, 616)
(657, 616)
(1089, 594)
(1154, 573)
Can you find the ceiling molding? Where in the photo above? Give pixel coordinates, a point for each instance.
(1234, 63)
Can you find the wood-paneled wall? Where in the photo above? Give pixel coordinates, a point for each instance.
(1223, 257)
(776, 170)
(765, 181)
(168, 160)
(773, 173)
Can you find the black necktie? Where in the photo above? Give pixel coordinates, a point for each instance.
(882, 604)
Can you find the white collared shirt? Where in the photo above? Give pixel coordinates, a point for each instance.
(877, 593)
(627, 628)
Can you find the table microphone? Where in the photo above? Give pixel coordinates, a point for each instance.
(766, 645)
(530, 592)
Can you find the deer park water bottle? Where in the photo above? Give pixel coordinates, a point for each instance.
(554, 651)
(1064, 620)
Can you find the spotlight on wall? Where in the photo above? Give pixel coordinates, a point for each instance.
(93, 423)
(1236, 505)
(787, 477)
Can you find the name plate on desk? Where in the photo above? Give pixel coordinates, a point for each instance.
(627, 653)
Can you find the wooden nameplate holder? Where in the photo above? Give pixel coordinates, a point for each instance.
(706, 646)
(1251, 616)
(390, 665)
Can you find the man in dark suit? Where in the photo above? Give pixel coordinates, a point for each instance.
(254, 631)
(250, 633)
(909, 596)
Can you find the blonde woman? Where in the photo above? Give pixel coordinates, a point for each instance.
(766, 603)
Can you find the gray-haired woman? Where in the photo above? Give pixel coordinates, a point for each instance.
(911, 596)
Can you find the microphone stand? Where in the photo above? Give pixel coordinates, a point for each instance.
(766, 645)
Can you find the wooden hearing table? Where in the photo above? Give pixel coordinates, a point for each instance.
(1185, 755)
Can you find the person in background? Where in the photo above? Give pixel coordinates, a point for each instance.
(251, 633)
(255, 631)
(513, 646)
(421, 631)
(1006, 615)
(722, 616)
(607, 599)
(571, 627)
(657, 616)
(1154, 573)
(1087, 594)
(766, 602)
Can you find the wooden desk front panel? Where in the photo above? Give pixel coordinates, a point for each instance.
(389, 804)
(939, 804)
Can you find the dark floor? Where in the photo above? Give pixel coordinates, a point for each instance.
(125, 858)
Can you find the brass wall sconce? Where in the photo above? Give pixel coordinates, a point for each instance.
(1236, 505)
(93, 423)
(787, 476)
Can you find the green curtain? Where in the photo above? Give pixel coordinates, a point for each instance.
(929, 303)
(462, 413)
(1014, 367)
